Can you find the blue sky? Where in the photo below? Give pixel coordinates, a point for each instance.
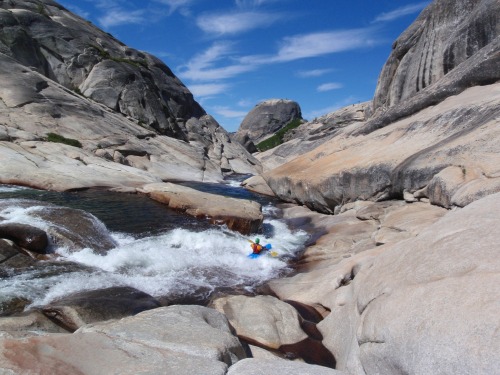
(232, 54)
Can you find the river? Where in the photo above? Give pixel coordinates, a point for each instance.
(166, 254)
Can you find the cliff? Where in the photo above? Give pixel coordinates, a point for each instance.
(135, 121)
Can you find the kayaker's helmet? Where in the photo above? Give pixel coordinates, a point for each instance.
(257, 240)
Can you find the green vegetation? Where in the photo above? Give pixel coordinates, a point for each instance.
(107, 56)
(277, 138)
(40, 8)
(56, 138)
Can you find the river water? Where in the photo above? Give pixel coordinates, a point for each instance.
(161, 252)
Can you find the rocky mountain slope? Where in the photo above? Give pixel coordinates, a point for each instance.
(434, 131)
(136, 122)
(265, 119)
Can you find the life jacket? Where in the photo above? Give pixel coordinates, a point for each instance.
(256, 248)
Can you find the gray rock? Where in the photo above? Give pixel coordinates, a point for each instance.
(450, 47)
(404, 155)
(265, 119)
(262, 319)
(424, 305)
(25, 236)
(76, 310)
(67, 227)
(252, 366)
(191, 330)
(314, 133)
(48, 55)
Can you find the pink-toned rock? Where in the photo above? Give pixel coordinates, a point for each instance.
(240, 215)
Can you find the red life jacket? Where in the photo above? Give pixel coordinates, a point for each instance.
(256, 248)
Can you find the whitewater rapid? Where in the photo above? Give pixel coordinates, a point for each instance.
(176, 262)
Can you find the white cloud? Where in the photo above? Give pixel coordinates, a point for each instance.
(252, 3)
(329, 86)
(235, 23)
(401, 12)
(174, 5)
(313, 73)
(202, 66)
(116, 17)
(228, 112)
(317, 44)
(208, 89)
(245, 103)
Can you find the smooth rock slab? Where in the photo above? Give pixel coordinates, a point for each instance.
(263, 319)
(240, 215)
(97, 354)
(252, 366)
(76, 310)
(191, 330)
(183, 340)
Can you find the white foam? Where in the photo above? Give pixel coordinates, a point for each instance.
(179, 261)
(11, 188)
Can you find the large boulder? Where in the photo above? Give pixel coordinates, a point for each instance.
(25, 236)
(69, 228)
(425, 305)
(269, 323)
(181, 340)
(265, 119)
(78, 309)
(240, 215)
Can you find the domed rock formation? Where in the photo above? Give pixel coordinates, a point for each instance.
(265, 119)
(135, 120)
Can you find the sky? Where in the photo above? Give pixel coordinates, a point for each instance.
(233, 54)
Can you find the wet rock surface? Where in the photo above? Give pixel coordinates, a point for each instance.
(25, 236)
(74, 311)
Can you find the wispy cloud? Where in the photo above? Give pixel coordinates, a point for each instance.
(176, 5)
(116, 17)
(313, 73)
(235, 22)
(401, 12)
(208, 89)
(228, 112)
(329, 86)
(121, 12)
(202, 67)
(317, 44)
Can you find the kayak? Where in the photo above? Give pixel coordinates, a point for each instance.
(265, 250)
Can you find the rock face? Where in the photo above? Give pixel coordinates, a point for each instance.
(450, 47)
(425, 305)
(404, 156)
(265, 119)
(434, 128)
(49, 55)
(314, 133)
